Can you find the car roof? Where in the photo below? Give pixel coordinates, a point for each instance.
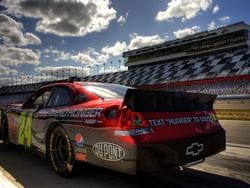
(75, 82)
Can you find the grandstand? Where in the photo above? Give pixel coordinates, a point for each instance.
(216, 61)
(228, 39)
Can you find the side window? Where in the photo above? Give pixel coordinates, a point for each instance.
(60, 97)
(42, 99)
(39, 100)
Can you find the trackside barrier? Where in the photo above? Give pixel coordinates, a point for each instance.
(233, 114)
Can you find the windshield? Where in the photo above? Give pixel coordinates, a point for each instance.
(106, 91)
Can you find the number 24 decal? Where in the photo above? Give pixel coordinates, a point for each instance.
(24, 133)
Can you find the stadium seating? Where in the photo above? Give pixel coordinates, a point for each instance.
(195, 68)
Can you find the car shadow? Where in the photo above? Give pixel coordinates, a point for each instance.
(32, 171)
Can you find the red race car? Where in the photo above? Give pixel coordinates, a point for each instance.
(113, 126)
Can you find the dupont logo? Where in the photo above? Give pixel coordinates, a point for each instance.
(108, 151)
(194, 149)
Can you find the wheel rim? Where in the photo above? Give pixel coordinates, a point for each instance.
(60, 152)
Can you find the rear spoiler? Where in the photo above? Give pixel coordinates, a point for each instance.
(143, 100)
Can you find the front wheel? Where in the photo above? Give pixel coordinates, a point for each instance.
(5, 132)
(61, 152)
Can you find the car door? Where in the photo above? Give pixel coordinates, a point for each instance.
(60, 98)
(25, 121)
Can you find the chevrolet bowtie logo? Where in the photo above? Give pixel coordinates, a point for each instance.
(194, 149)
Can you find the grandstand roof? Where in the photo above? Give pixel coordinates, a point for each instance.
(181, 46)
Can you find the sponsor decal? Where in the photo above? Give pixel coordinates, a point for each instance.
(80, 157)
(80, 148)
(75, 113)
(108, 151)
(194, 149)
(91, 121)
(24, 131)
(79, 140)
(133, 132)
(180, 120)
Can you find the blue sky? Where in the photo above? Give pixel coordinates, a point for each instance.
(42, 37)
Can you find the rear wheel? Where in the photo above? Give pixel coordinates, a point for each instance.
(5, 132)
(61, 152)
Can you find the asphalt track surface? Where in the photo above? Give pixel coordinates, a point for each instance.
(237, 132)
(227, 169)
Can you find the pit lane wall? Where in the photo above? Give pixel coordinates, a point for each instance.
(233, 107)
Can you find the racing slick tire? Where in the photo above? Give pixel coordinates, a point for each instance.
(61, 152)
(5, 132)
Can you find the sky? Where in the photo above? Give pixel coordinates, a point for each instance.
(50, 38)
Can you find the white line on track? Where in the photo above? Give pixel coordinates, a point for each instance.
(7, 181)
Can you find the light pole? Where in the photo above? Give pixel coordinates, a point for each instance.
(104, 67)
(82, 72)
(63, 74)
(97, 68)
(89, 67)
(69, 72)
(119, 63)
(111, 63)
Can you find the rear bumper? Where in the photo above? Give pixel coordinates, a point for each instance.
(157, 157)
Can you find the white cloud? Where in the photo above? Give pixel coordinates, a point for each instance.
(122, 19)
(115, 50)
(66, 17)
(7, 71)
(12, 56)
(92, 57)
(84, 57)
(185, 9)
(225, 19)
(216, 9)
(55, 54)
(11, 33)
(12, 37)
(212, 26)
(138, 41)
(102, 58)
(186, 31)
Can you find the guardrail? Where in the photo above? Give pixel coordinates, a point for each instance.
(232, 97)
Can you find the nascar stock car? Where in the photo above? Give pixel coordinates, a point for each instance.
(116, 127)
